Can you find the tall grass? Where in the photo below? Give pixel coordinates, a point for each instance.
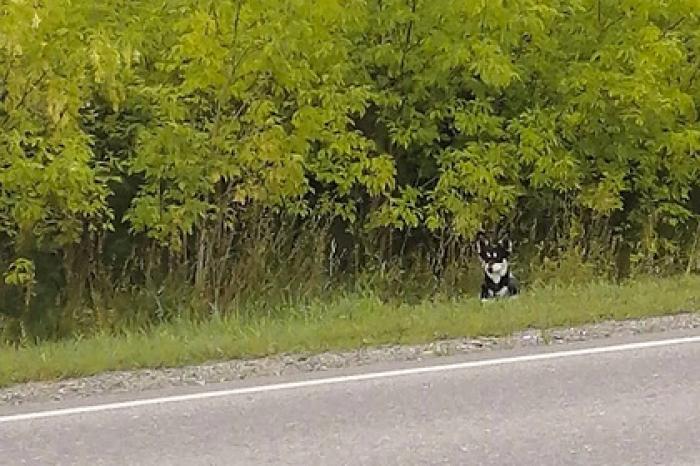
(345, 322)
(265, 269)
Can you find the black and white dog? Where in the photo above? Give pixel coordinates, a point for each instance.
(499, 281)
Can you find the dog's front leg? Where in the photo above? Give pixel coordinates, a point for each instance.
(485, 294)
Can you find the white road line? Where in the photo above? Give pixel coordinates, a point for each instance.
(348, 378)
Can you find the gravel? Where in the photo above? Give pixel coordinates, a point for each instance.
(286, 364)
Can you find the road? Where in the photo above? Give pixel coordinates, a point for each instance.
(624, 406)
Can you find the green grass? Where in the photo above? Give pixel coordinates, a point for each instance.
(346, 323)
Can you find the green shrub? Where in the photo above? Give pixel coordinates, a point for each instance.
(239, 149)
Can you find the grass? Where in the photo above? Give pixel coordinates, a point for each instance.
(345, 323)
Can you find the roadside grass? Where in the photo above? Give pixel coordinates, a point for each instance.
(345, 323)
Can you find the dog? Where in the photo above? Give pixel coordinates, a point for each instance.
(499, 281)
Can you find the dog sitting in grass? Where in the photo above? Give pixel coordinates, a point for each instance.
(499, 281)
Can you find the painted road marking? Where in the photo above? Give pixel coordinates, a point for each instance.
(348, 378)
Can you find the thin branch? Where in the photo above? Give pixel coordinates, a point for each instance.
(691, 80)
(4, 83)
(673, 26)
(409, 32)
(24, 96)
(231, 75)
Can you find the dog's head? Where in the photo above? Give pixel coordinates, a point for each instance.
(494, 255)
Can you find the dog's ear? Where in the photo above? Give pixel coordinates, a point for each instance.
(506, 244)
(482, 242)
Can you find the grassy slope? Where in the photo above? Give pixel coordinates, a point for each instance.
(346, 323)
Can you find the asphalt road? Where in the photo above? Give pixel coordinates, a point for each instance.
(629, 407)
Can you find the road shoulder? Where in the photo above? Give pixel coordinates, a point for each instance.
(268, 370)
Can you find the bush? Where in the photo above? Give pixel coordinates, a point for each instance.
(192, 141)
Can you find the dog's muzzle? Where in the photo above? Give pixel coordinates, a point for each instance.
(497, 268)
